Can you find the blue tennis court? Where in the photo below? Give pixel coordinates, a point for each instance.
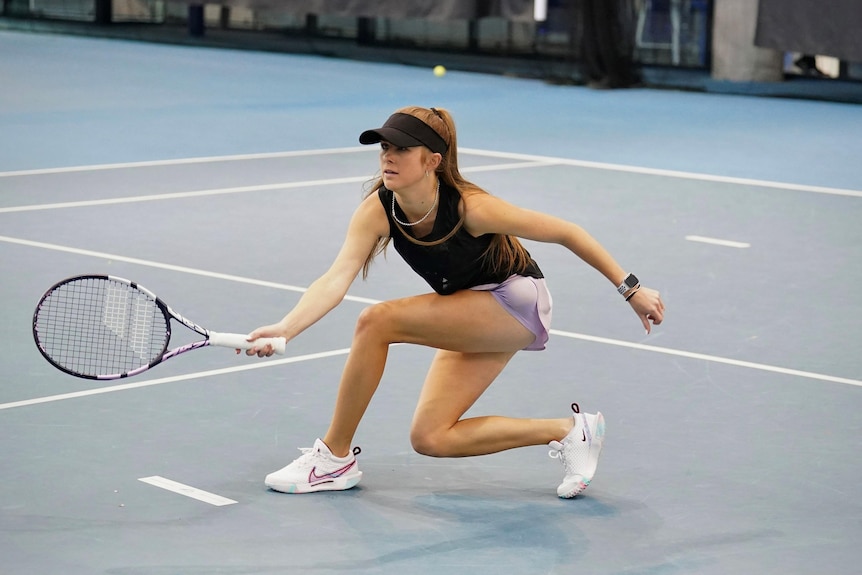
(223, 181)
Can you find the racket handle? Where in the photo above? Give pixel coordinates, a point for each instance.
(240, 341)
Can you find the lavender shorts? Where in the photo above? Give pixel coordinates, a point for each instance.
(529, 301)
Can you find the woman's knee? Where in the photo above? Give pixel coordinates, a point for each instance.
(432, 444)
(375, 319)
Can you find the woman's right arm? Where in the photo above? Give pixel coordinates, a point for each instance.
(367, 225)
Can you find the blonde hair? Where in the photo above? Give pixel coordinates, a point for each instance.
(505, 253)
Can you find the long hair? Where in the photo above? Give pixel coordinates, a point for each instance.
(505, 253)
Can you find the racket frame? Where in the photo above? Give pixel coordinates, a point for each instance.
(166, 310)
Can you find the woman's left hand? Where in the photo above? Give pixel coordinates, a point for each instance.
(649, 307)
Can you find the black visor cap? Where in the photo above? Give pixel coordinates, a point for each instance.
(405, 131)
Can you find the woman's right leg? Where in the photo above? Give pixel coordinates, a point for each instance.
(467, 321)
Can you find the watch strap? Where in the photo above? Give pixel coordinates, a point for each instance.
(630, 282)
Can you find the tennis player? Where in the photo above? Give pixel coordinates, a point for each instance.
(490, 300)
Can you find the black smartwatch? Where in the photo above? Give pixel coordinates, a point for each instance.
(628, 283)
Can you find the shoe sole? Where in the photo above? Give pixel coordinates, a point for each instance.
(598, 440)
(339, 484)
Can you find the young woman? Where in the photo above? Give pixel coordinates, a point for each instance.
(490, 301)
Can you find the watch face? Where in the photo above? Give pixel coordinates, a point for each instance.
(631, 281)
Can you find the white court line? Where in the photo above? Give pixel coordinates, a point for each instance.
(370, 301)
(542, 160)
(665, 173)
(515, 166)
(172, 379)
(240, 190)
(181, 195)
(181, 161)
(718, 242)
(171, 267)
(187, 490)
(712, 358)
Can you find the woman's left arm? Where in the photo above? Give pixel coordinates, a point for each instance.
(489, 214)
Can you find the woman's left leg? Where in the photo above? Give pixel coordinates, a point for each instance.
(457, 379)
(454, 382)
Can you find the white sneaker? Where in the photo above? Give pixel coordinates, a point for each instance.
(579, 452)
(316, 470)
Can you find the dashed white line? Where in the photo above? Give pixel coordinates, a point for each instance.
(187, 490)
(718, 242)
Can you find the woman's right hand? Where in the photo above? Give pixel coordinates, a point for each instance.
(273, 330)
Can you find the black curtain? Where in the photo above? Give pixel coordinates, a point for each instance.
(603, 36)
(826, 27)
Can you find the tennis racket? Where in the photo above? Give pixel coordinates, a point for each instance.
(105, 327)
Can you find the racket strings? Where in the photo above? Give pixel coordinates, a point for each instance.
(99, 326)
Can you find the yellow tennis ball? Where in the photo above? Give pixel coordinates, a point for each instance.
(439, 71)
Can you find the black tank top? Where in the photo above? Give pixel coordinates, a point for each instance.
(455, 264)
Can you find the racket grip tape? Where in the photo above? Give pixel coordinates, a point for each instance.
(240, 341)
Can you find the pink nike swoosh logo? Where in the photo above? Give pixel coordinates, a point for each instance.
(313, 477)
